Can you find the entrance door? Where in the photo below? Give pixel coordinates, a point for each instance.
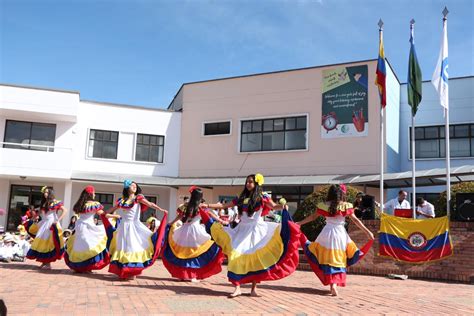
(21, 197)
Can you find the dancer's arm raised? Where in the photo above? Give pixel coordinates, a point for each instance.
(309, 219)
(361, 226)
(144, 201)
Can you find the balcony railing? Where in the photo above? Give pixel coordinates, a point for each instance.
(35, 147)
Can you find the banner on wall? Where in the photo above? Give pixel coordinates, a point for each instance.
(345, 102)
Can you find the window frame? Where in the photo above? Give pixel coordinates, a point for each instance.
(452, 135)
(135, 145)
(89, 156)
(29, 145)
(284, 130)
(203, 128)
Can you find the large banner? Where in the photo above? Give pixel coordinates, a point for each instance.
(414, 240)
(345, 102)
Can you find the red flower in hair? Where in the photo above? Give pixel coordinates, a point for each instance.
(343, 188)
(191, 189)
(90, 189)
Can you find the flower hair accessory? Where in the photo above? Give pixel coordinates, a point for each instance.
(343, 188)
(191, 189)
(259, 179)
(43, 189)
(90, 189)
(127, 183)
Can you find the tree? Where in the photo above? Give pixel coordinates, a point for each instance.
(441, 205)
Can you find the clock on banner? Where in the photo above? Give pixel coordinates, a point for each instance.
(329, 121)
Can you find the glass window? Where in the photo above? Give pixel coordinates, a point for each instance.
(149, 212)
(150, 148)
(28, 135)
(276, 134)
(430, 141)
(103, 144)
(273, 141)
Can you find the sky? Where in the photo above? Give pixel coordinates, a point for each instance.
(140, 52)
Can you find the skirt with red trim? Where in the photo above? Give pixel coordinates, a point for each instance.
(257, 250)
(129, 262)
(199, 257)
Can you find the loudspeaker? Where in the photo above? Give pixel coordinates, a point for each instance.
(368, 207)
(465, 207)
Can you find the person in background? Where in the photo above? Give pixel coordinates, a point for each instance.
(153, 223)
(399, 202)
(424, 209)
(72, 222)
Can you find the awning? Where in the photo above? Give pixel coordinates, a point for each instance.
(429, 177)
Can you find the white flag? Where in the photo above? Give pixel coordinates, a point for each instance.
(440, 75)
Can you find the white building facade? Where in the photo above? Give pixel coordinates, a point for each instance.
(54, 138)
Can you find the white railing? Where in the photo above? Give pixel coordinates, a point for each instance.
(29, 146)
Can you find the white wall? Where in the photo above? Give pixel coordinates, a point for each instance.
(4, 192)
(61, 105)
(128, 121)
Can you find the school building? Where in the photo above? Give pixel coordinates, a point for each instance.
(300, 128)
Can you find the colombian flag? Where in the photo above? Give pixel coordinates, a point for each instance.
(381, 73)
(414, 240)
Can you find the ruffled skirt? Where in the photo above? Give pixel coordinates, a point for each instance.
(48, 246)
(257, 250)
(189, 252)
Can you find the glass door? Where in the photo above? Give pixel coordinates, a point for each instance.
(21, 196)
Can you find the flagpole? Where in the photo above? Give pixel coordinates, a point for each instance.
(446, 133)
(381, 184)
(413, 154)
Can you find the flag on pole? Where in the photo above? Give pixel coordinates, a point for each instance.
(414, 76)
(381, 73)
(414, 240)
(440, 75)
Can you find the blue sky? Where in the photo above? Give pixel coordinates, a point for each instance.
(140, 52)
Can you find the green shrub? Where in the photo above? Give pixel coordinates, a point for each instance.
(312, 230)
(441, 204)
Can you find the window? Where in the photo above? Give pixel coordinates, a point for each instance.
(217, 128)
(149, 212)
(28, 135)
(273, 134)
(150, 148)
(107, 200)
(430, 141)
(103, 144)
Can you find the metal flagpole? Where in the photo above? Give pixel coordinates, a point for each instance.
(446, 114)
(413, 154)
(381, 137)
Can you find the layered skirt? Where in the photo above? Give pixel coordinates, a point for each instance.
(48, 245)
(86, 249)
(132, 246)
(332, 252)
(257, 250)
(190, 253)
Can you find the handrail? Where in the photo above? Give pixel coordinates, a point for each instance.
(48, 148)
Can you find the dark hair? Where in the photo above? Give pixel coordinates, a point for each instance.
(153, 224)
(186, 198)
(81, 202)
(335, 196)
(420, 200)
(193, 204)
(254, 196)
(45, 202)
(126, 195)
(401, 191)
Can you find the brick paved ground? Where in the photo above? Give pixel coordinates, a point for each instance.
(26, 290)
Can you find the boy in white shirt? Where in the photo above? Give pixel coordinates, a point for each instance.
(424, 209)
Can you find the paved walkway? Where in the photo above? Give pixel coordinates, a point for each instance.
(28, 291)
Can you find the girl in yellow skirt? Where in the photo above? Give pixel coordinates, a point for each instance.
(333, 250)
(133, 247)
(256, 250)
(48, 246)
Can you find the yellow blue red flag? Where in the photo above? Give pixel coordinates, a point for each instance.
(381, 73)
(414, 240)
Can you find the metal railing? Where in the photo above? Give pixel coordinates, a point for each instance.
(32, 146)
